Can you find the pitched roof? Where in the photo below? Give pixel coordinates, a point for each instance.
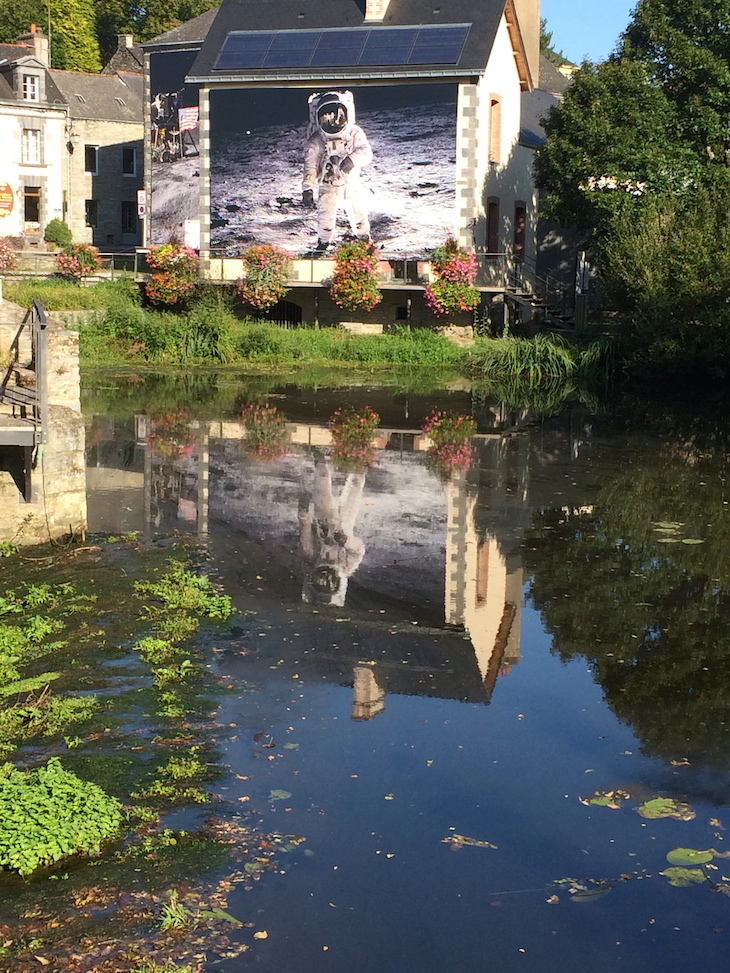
(127, 59)
(101, 97)
(191, 32)
(272, 15)
(551, 79)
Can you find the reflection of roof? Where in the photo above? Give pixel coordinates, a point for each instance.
(96, 97)
(330, 16)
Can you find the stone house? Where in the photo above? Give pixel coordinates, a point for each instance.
(74, 149)
(437, 89)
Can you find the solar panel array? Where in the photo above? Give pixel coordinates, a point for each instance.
(343, 47)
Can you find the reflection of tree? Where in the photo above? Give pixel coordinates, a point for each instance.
(652, 617)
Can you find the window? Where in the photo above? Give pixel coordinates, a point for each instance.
(92, 212)
(31, 146)
(129, 160)
(492, 225)
(129, 216)
(519, 231)
(31, 88)
(90, 159)
(495, 129)
(32, 205)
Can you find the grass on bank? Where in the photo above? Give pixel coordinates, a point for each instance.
(209, 333)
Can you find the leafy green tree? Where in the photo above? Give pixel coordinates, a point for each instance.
(73, 29)
(546, 45)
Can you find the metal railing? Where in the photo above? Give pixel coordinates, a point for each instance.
(42, 263)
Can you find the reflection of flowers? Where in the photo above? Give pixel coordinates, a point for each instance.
(267, 437)
(451, 437)
(355, 280)
(456, 271)
(352, 430)
(267, 271)
(171, 434)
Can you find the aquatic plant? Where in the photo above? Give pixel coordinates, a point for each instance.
(267, 270)
(456, 271)
(267, 437)
(48, 814)
(451, 441)
(181, 589)
(353, 449)
(355, 280)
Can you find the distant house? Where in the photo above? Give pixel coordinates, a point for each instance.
(423, 104)
(72, 148)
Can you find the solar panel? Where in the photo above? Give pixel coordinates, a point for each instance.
(367, 46)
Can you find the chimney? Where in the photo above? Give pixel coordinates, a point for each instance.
(124, 41)
(375, 10)
(37, 41)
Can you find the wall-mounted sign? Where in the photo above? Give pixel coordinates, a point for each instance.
(7, 199)
(141, 202)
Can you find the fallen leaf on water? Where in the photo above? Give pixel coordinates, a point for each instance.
(680, 763)
(459, 840)
(261, 934)
(553, 900)
(389, 797)
(43, 961)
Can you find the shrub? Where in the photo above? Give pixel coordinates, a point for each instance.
(355, 283)
(267, 270)
(78, 261)
(453, 290)
(48, 814)
(175, 273)
(58, 232)
(8, 256)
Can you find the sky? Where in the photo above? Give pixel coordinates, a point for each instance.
(586, 28)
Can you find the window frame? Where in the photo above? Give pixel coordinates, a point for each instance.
(129, 208)
(129, 151)
(91, 213)
(30, 86)
(31, 137)
(95, 150)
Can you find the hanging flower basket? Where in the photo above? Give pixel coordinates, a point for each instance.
(456, 270)
(175, 271)
(355, 280)
(78, 261)
(267, 270)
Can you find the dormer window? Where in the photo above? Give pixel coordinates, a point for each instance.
(31, 87)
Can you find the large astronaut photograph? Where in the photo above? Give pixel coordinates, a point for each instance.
(309, 169)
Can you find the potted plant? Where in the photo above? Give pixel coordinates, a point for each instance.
(175, 271)
(77, 261)
(57, 234)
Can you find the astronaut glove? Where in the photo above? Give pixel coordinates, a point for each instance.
(347, 165)
(308, 199)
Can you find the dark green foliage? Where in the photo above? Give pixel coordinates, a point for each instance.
(58, 232)
(49, 814)
(546, 45)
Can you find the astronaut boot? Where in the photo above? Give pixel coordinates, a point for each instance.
(321, 249)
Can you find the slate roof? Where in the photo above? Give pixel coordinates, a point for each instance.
(247, 15)
(101, 97)
(129, 60)
(536, 104)
(192, 32)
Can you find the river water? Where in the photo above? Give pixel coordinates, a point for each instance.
(546, 627)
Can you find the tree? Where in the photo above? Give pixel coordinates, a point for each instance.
(73, 42)
(546, 45)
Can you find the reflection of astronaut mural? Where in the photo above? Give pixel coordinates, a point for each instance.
(335, 152)
(326, 523)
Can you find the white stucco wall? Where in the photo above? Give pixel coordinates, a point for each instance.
(49, 174)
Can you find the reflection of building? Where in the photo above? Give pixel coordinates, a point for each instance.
(471, 61)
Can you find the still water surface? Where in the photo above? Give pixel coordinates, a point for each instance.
(549, 624)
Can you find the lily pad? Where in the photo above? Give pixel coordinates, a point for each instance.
(666, 807)
(668, 540)
(689, 856)
(683, 877)
(692, 540)
(277, 795)
(461, 839)
(668, 524)
(591, 892)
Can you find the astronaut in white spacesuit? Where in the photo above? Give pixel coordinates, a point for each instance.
(336, 151)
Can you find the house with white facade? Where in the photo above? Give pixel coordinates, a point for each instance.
(316, 121)
(72, 149)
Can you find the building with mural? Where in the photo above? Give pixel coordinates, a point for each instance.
(305, 124)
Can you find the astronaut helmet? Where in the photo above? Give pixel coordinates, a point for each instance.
(331, 113)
